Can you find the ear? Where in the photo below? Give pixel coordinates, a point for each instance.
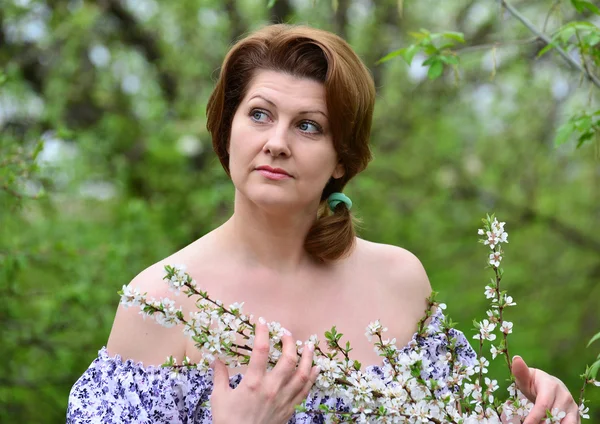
(339, 171)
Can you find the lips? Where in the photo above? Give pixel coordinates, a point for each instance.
(273, 170)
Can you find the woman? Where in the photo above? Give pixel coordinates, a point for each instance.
(290, 119)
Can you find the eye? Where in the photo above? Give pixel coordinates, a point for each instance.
(259, 115)
(310, 127)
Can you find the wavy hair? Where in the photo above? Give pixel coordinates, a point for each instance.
(322, 56)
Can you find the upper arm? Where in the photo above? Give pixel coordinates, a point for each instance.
(406, 278)
(141, 338)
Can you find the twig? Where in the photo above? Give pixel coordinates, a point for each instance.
(487, 46)
(590, 76)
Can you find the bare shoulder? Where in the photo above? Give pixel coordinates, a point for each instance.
(399, 269)
(140, 338)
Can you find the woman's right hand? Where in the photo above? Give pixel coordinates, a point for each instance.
(264, 397)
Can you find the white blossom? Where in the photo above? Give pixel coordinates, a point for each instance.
(508, 301)
(131, 297)
(583, 410)
(482, 366)
(494, 351)
(495, 259)
(490, 292)
(485, 331)
(555, 416)
(506, 327)
(373, 329)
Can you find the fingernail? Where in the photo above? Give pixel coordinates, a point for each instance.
(262, 320)
(310, 346)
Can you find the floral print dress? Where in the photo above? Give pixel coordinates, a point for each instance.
(113, 390)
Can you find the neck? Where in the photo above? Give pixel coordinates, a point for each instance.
(274, 240)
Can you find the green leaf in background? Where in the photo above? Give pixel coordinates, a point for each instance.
(436, 69)
(593, 371)
(546, 49)
(456, 36)
(449, 59)
(409, 53)
(593, 339)
(581, 6)
(391, 55)
(563, 134)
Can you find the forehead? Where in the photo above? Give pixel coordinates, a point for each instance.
(287, 90)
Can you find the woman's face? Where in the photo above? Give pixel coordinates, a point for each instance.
(281, 152)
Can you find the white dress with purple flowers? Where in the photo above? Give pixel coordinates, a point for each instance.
(115, 391)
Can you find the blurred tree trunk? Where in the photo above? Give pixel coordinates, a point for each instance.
(238, 27)
(340, 18)
(281, 12)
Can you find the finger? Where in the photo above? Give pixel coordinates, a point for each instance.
(303, 374)
(286, 364)
(314, 373)
(221, 376)
(543, 403)
(257, 367)
(572, 410)
(571, 418)
(524, 378)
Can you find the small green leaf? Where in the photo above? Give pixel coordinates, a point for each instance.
(435, 70)
(409, 53)
(390, 56)
(591, 39)
(450, 60)
(564, 133)
(429, 61)
(593, 339)
(546, 49)
(593, 372)
(581, 5)
(38, 148)
(456, 36)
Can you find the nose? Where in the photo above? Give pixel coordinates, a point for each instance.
(277, 143)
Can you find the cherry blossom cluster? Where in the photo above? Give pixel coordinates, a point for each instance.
(400, 391)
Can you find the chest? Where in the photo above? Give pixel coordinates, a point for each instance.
(313, 304)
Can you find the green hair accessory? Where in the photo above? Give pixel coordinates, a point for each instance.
(335, 199)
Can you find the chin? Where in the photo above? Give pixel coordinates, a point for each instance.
(273, 199)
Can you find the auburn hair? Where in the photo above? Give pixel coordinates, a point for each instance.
(322, 56)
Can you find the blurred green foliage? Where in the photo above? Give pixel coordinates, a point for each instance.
(106, 166)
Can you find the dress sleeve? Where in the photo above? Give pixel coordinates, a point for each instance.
(437, 344)
(113, 391)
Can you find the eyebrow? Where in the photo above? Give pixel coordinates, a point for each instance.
(304, 112)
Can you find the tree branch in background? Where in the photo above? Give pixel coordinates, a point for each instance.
(26, 55)
(340, 18)
(280, 12)
(134, 34)
(466, 189)
(583, 69)
(237, 25)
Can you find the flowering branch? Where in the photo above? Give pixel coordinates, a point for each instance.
(400, 391)
(583, 69)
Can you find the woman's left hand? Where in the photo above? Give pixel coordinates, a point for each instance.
(546, 392)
